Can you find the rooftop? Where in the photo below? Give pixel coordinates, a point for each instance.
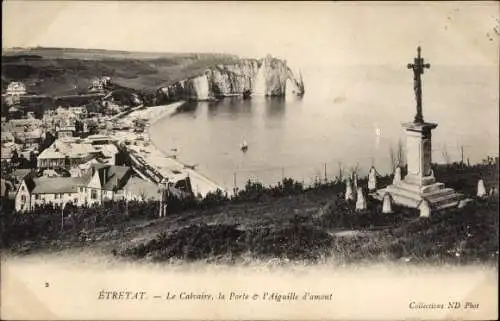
(52, 185)
(71, 148)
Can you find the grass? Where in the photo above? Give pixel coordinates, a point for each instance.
(60, 71)
(284, 222)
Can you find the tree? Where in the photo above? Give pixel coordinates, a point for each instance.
(33, 160)
(23, 162)
(49, 140)
(67, 162)
(78, 126)
(93, 128)
(15, 157)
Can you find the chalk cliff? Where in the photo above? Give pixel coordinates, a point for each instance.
(266, 77)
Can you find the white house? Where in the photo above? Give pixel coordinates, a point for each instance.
(22, 200)
(70, 152)
(16, 88)
(101, 182)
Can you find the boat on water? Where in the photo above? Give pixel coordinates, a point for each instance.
(244, 146)
(193, 167)
(247, 94)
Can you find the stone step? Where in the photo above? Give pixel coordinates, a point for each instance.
(409, 200)
(453, 198)
(441, 196)
(421, 189)
(445, 205)
(403, 193)
(440, 193)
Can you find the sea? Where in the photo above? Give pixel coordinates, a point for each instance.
(349, 119)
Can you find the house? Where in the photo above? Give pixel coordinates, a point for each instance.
(101, 182)
(99, 84)
(55, 190)
(31, 137)
(7, 137)
(22, 199)
(67, 153)
(99, 139)
(108, 180)
(79, 111)
(82, 169)
(141, 190)
(16, 88)
(7, 150)
(15, 112)
(65, 131)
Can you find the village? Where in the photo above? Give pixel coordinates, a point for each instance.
(83, 154)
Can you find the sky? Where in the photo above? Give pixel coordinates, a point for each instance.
(458, 33)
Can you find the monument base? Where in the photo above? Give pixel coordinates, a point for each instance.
(409, 194)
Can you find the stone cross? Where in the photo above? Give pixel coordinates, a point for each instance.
(418, 67)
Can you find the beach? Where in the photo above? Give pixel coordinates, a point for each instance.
(167, 165)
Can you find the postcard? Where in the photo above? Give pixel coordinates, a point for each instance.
(249, 160)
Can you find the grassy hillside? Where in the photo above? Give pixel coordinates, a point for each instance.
(280, 223)
(65, 71)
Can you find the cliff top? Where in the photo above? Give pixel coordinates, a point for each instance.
(68, 71)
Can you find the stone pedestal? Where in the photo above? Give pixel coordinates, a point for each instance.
(420, 184)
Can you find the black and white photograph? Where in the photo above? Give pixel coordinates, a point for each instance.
(249, 160)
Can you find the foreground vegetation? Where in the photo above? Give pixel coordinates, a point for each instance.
(287, 222)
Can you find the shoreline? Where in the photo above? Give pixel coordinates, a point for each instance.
(165, 164)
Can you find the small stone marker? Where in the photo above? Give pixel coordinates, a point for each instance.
(372, 179)
(348, 190)
(481, 189)
(387, 204)
(361, 201)
(463, 203)
(425, 210)
(397, 176)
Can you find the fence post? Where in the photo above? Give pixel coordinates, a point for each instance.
(235, 187)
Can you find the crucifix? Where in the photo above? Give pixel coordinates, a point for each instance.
(418, 69)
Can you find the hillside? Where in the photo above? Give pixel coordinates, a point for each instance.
(284, 222)
(67, 71)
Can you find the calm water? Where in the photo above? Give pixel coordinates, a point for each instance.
(335, 124)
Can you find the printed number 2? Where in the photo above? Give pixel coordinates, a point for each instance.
(46, 284)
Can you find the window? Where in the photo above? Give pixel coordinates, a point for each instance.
(82, 189)
(56, 196)
(93, 194)
(37, 196)
(23, 198)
